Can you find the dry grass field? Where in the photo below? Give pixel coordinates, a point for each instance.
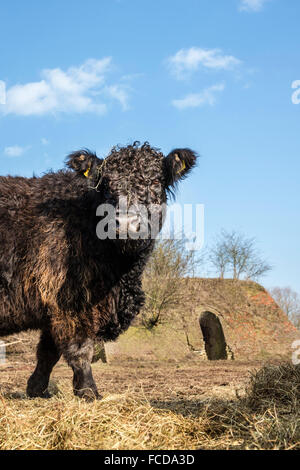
(191, 404)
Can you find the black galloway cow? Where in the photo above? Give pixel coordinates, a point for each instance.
(57, 275)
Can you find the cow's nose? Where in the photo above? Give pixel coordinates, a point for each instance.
(134, 223)
(126, 223)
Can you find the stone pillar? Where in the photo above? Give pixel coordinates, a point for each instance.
(213, 335)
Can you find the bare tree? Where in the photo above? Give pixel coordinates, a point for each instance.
(235, 254)
(218, 257)
(163, 279)
(289, 301)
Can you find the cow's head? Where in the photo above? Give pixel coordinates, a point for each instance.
(139, 176)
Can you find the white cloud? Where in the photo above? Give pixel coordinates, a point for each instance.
(196, 100)
(132, 76)
(119, 93)
(252, 5)
(45, 141)
(15, 151)
(75, 90)
(186, 61)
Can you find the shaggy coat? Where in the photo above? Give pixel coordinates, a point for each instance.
(56, 275)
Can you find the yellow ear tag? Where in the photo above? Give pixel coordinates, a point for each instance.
(86, 173)
(183, 166)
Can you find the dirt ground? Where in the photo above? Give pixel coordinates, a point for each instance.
(163, 384)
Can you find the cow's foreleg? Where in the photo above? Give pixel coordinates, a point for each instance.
(79, 356)
(47, 356)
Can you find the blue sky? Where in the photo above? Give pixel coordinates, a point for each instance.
(214, 75)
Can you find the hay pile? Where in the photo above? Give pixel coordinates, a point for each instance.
(266, 417)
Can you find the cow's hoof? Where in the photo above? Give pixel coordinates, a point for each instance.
(88, 395)
(38, 394)
(37, 390)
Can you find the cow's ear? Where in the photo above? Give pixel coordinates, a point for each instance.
(178, 164)
(83, 162)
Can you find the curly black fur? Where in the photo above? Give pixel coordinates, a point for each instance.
(56, 275)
